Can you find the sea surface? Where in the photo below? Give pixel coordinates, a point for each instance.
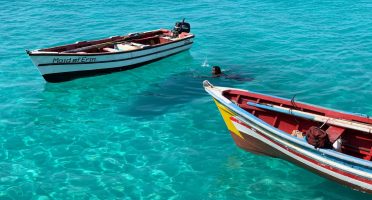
(153, 132)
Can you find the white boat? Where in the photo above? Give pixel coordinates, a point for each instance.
(117, 53)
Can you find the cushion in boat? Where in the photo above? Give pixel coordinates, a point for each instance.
(125, 47)
(140, 45)
(109, 49)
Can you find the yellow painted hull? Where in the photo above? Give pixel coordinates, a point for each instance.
(226, 113)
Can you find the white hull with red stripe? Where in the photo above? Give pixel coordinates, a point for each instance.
(346, 174)
(264, 131)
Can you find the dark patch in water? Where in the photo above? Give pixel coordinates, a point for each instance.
(178, 89)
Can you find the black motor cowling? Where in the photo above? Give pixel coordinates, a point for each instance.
(180, 27)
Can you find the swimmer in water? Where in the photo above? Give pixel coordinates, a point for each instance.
(216, 72)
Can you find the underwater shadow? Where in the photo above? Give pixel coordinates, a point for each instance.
(176, 90)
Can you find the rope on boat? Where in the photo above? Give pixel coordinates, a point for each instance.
(295, 106)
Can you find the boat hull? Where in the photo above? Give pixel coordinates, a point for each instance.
(64, 67)
(253, 136)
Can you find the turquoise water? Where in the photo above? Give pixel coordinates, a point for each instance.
(152, 132)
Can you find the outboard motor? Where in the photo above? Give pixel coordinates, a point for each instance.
(180, 27)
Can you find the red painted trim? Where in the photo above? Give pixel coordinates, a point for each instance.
(40, 53)
(117, 60)
(302, 106)
(328, 167)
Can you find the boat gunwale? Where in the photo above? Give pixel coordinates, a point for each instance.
(116, 60)
(355, 177)
(351, 114)
(333, 154)
(37, 52)
(302, 143)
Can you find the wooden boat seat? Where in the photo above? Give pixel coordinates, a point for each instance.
(366, 153)
(334, 133)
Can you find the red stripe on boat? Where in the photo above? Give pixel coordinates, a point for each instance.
(336, 170)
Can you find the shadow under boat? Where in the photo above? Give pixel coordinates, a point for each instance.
(178, 89)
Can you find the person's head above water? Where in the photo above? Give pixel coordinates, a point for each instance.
(216, 70)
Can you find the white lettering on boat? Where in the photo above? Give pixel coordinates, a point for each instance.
(87, 59)
(74, 60)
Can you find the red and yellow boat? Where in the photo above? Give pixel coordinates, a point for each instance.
(274, 126)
